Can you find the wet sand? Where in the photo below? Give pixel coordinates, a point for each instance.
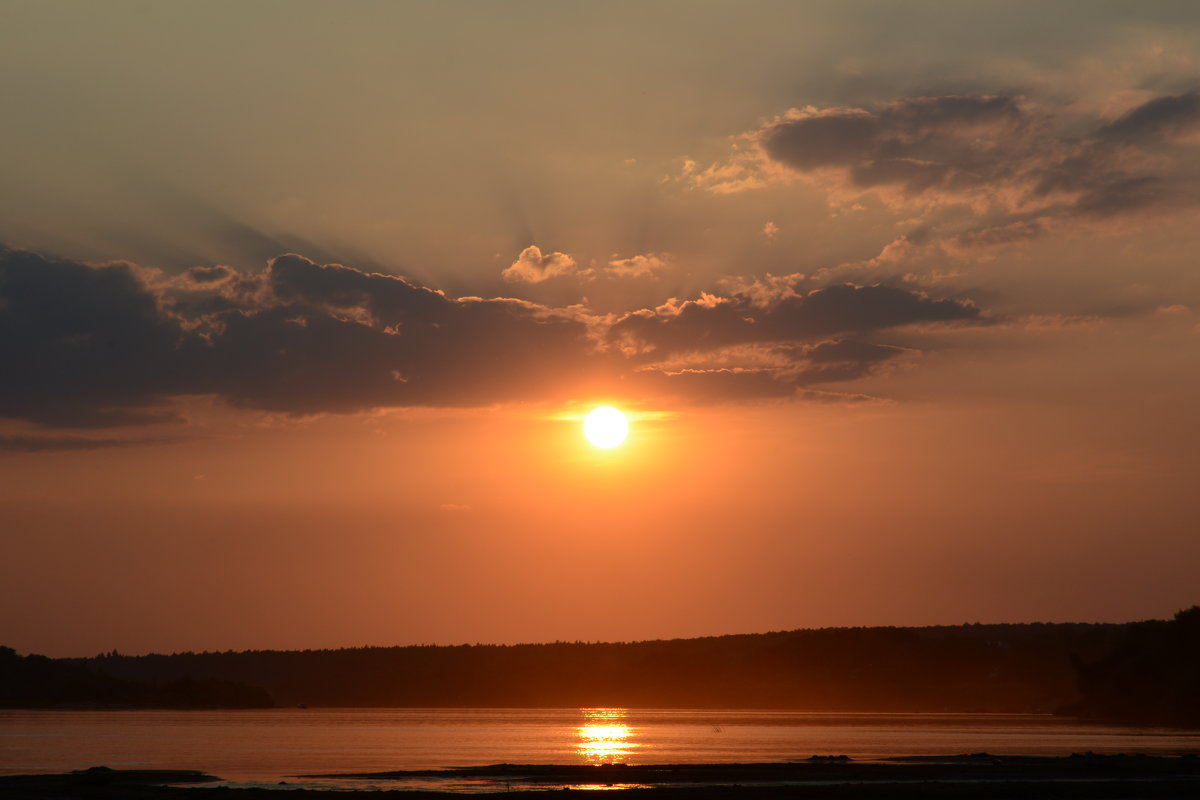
(977, 776)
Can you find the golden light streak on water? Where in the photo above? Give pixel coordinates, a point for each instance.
(604, 738)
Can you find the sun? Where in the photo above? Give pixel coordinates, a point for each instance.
(605, 427)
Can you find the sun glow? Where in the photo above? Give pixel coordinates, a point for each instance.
(605, 427)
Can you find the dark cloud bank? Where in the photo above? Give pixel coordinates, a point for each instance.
(1022, 169)
(96, 346)
(988, 149)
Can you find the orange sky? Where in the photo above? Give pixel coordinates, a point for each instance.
(300, 311)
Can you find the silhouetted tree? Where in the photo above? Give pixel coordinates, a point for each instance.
(1151, 678)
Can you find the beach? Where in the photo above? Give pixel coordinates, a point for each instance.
(978, 775)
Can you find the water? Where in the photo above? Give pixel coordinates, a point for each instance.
(265, 747)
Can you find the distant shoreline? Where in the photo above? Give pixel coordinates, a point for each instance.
(1138, 673)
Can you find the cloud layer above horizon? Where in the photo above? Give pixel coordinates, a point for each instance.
(101, 345)
(95, 345)
(1020, 170)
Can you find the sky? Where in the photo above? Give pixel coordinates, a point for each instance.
(302, 305)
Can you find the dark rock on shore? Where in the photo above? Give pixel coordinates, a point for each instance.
(100, 782)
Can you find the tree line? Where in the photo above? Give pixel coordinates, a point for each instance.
(35, 681)
(951, 668)
(1142, 673)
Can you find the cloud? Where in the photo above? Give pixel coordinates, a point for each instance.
(768, 370)
(532, 266)
(1020, 169)
(92, 346)
(713, 322)
(916, 144)
(848, 350)
(753, 344)
(116, 344)
(638, 266)
(953, 145)
(85, 346)
(983, 151)
(1172, 116)
(205, 275)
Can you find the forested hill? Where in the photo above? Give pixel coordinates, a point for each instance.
(38, 682)
(997, 668)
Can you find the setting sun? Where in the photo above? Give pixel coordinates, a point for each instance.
(605, 427)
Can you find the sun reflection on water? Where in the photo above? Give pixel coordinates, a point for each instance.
(604, 738)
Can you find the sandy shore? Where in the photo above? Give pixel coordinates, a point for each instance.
(979, 777)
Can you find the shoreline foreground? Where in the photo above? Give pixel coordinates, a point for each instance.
(978, 776)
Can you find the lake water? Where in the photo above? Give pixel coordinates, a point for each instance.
(265, 747)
